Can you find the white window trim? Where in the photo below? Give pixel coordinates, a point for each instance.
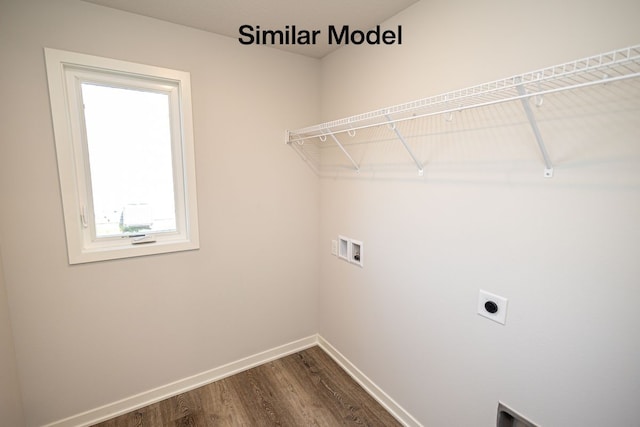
(62, 68)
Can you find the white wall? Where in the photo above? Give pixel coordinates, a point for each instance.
(10, 398)
(564, 251)
(88, 335)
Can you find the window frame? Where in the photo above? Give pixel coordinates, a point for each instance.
(66, 71)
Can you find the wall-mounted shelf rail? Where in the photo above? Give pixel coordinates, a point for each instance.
(617, 65)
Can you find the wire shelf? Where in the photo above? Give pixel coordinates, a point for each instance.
(598, 69)
(617, 65)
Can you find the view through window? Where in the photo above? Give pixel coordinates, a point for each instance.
(129, 144)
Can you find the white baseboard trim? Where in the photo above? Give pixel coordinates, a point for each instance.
(149, 397)
(376, 392)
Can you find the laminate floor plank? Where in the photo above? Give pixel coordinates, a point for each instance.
(183, 410)
(336, 390)
(307, 408)
(222, 405)
(262, 398)
(149, 416)
(307, 388)
(328, 393)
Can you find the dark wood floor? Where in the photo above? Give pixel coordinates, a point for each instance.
(304, 389)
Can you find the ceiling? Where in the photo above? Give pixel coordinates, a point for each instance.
(226, 16)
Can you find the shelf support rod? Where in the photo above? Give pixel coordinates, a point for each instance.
(353, 162)
(548, 166)
(406, 146)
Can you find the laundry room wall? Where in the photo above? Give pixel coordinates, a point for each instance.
(562, 250)
(92, 334)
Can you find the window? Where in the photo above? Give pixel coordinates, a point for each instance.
(124, 144)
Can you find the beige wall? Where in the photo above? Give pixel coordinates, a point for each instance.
(10, 397)
(563, 250)
(88, 335)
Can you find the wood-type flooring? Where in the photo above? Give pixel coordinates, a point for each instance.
(307, 388)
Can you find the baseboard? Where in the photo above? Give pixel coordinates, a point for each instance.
(152, 396)
(149, 397)
(376, 392)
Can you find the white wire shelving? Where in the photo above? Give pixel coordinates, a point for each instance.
(531, 87)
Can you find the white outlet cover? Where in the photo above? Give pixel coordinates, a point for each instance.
(500, 315)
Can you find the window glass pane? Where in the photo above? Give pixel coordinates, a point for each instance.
(129, 143)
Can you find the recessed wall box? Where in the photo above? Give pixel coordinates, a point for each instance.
(355, 254)
(350, 250)
(343, 247)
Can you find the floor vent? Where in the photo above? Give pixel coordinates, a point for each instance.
(507, 417)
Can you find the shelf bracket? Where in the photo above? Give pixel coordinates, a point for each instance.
(346, 153)
(548, 166)
(406, 146)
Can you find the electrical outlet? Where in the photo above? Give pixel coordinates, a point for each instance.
(492, 306)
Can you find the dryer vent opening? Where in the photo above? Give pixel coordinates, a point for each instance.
(507, 417)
